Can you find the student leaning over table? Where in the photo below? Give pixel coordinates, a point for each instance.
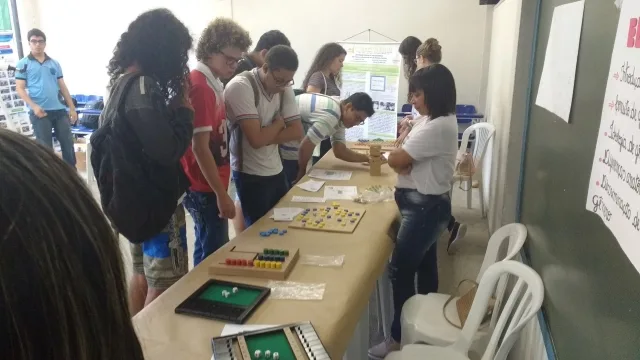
(327, 118)
(425, 164)
(62, 293)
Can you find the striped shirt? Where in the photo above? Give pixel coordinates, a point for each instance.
(321, 119)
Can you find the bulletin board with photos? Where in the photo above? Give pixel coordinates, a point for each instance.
(13, 114)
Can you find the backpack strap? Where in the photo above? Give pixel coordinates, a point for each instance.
(254, 85)
(234, 128)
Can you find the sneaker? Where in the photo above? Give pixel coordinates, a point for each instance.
(457, 233)
(380, 351)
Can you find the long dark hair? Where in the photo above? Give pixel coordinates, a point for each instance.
(408, 48)
(324, 57)
(62, 281)
(159, 44)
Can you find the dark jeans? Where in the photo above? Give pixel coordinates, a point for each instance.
(258, 194)
(290, 168)
(212, 232)
(58, 121)
(424, 218)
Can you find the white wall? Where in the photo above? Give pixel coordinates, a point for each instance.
(83, 44)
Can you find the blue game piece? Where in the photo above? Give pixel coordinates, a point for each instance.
(274, 230)
(284, 231)
(265, 233)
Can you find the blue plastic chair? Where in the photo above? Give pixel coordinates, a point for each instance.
(406, 108)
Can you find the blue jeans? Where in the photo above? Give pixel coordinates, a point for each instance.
(424, 218)
(258, 194)
(212, 231)
(290, 168)
(58, 120)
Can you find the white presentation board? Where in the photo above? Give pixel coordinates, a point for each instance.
(614, 186)
(374, 68)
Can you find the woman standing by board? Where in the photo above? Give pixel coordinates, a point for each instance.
(323, 77)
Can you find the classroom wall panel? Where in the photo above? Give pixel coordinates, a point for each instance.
(591, 289)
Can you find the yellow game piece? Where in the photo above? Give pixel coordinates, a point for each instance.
(343, 215)
(278, 265)
(272, 264)
(335, 203)
(299, 217)
(262, 263)
(256, 263)
(321, 226)
(344, 224)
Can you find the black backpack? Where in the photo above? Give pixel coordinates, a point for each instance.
(92, 121)
(141, 199)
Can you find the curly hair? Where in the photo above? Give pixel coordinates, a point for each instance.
(324, 57)
(158, 43)
(219, 34)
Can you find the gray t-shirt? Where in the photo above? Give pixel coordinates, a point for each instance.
(326, 84)
(433, 145)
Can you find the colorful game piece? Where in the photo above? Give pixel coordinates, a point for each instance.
(235, 290)
(278, 265)
(274, 230)
(228, 261)
(357, 214)
(276, 356)
(267, 354)
(257, 354)
(256, 263)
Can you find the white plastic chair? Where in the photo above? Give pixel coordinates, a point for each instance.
(422, 319)
(523, 304)
(484, 132)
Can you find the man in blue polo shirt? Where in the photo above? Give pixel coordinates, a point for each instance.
(39, 83)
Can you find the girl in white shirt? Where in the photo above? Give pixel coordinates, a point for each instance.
(425, 164)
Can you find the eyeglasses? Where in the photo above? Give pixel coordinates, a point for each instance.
(280, 82)
(230, 60)
(38, 42)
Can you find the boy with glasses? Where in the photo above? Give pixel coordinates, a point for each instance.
(262, 112)
(325, 117)
(206, 162)
(40, 84)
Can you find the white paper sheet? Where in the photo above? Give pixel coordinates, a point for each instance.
(340, 192)
(311, 185)
(307, 199)
(614, 185)
(330, 174)
(557, 81)
(232, 329)
(285, 214)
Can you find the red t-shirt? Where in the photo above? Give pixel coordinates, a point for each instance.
(210, 116)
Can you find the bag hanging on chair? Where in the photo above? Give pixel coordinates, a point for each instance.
(464, 303)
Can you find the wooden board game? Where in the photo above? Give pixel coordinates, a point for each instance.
(275, 264)
(223, 300)
(334, 218)
(288, 342)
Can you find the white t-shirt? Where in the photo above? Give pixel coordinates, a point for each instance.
(433, 145)
(240, 105)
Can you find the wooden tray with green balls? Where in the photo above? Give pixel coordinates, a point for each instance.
(224, 300)
(297, 341)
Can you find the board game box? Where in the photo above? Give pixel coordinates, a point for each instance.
(334, 218)
(264, 263)
(288, 342)
(223, 300)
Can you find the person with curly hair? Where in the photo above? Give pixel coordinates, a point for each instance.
(145, 129)
(323, 77)
(263, 114)
(206, 162)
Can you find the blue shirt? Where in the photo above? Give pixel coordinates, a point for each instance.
(42, 81)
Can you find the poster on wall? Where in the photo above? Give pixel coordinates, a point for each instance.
(614, 186)
(373, 68)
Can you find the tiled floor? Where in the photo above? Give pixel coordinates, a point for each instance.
(464, 264)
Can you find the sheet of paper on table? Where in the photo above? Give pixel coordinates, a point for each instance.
(330, 174)
(340, 192)
(555, 92)
(285, 214)
(311, 185)
(308, 199)
(232, 329)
